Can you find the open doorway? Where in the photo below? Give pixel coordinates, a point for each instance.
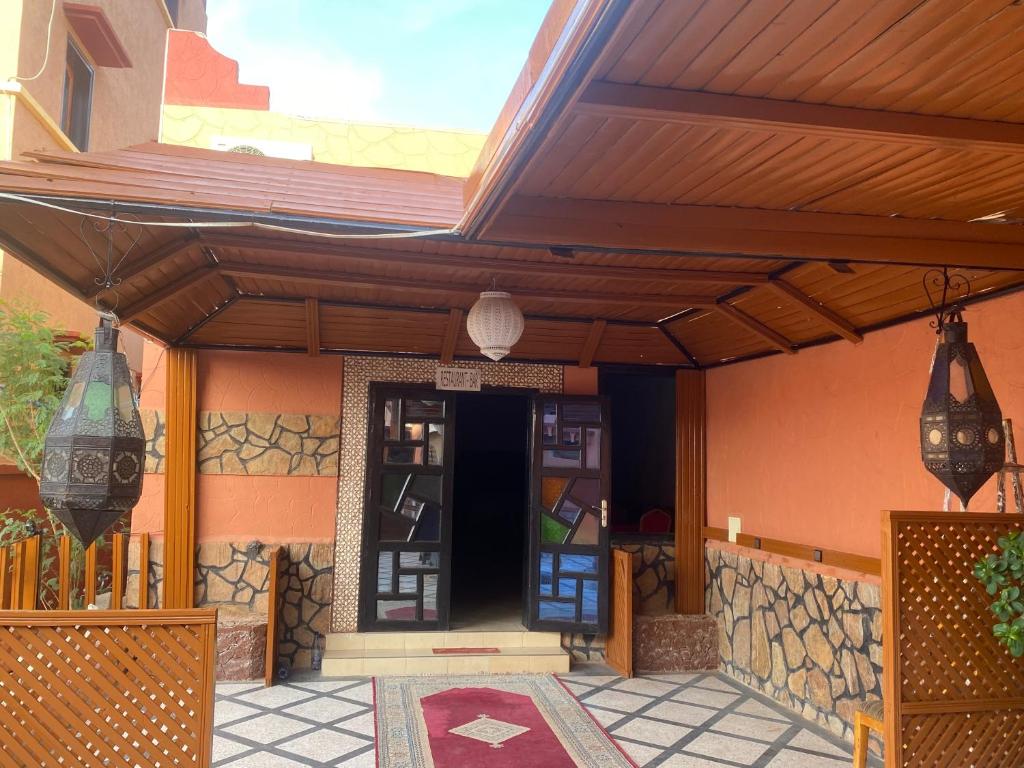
(489, 510)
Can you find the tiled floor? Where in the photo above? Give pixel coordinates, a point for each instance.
(675, 721)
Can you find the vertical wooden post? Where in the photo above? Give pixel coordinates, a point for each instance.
(90, 575)
(691, 489)
(5, 578)
(180, 495)
(64, 573)
(144, 571)
(270, 668)
(118, 571)
(25, 584)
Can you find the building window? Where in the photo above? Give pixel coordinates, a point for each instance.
(77, 105)
(172, 8)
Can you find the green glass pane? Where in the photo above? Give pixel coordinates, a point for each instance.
(551, 531)
(391, 489)
(97, 401)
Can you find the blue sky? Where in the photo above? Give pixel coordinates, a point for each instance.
(430, 63)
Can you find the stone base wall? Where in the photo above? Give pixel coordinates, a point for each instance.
(584, 647)
(811, 642)
(231, 576)
(675, 643)
(654, 575)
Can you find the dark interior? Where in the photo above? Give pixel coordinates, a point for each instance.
(490, 505)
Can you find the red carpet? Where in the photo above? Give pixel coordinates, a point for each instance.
(497, 721)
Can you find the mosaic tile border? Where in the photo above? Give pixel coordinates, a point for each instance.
(357, 375)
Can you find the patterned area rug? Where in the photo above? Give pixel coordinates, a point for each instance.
(498, 721)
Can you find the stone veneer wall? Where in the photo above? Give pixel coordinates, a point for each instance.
(654, 574)
(811, 642)
(226, 576)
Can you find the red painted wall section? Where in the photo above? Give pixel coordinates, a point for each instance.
(579, 381)
(17, 490)
(196, 74)
(810, 448)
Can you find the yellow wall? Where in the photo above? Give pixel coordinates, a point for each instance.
(449, 153)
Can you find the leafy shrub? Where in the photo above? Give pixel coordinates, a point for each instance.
(1003, 574)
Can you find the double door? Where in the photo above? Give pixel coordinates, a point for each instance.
(407, 532)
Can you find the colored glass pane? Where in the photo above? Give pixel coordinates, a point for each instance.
(417, 560)
(552, 531)
(587, 490)
(562, 458)
(547, 566)
(391, 487)
(569, 511)
(74, 400)
(551, 489)
(407, 584)
(567, 588)
(429, 527)
(593, 448)
(430, 596)
(403, 454)
(586, 533)
(412, 508)
(424, 409)
(427, 487)
(125, 402)
(97, 400)
(394, 528)
(581, 412)
(385, 560)
(391, 419)
(435, 444)
(589, 613)
(570, 436)
(396, 610)
(412, 432)
(554, 611)
(578, 564)
(550, 413)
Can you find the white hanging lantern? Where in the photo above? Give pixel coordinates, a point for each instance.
(495, 324)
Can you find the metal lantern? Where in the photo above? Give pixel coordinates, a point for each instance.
(94, 453)
(962, 439)
(495, 324)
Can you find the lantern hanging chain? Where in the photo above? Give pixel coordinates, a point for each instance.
(949, 284)
(108, 228)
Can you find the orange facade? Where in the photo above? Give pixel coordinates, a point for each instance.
(810, 448)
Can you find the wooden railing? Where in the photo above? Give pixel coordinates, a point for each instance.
(829, 557)
(21, 573)
(149, 675)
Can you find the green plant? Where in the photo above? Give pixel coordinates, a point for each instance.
(1003, 574)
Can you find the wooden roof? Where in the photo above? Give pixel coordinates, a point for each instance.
(669, 183)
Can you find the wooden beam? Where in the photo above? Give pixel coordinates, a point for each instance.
(169, 291)
(668, 105)
(756, 327)
(760, 233)
(451, 335)
(483, 264)
(180, 479)
(312, 327)
(691, 490)
(592, 342)
(333, 277)
(144, 263)
(818, 311)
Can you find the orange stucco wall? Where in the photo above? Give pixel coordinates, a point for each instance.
(273, 382)
(810, 448)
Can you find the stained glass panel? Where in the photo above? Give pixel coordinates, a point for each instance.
(578, 564)
(555, 611)
(412, 432)
(412, 508)
(570, 436)
(562, 458)
(551, 489)
(430, 596)
(569, 511)
(396, 610)
(403, 454)
(593, 448)
(435, 444)
(427, 487)
(587, 490)
(551, 531)
(429, 528)
(391, 487)
(589, 613)
(416, 560)
(567, 588)
(547, 566)
(407, 584)
(581, 412)
(385, 561)
(587, 531)
(394, 528)
(391, 419)
(424, 409)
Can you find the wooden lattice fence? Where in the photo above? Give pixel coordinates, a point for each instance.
(107, 688)
(953, 695)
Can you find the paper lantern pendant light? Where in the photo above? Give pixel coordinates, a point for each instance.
(95, 448)
(495, 324)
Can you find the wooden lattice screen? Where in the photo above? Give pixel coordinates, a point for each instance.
(107, 688)
(953, 695)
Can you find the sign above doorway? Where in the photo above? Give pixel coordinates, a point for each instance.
(458, 379)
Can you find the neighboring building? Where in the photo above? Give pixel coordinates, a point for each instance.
(82, 76)
(205, 106)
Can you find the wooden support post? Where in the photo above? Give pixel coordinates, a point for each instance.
(180, 494)
(118, 571)
(90, 575)
(5, 578)
(25, 584)
(312, 327)
(144, 571)
(691, 490)
(270, 666)
(64, 573)
(451, 335)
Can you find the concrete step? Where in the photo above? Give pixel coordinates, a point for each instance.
(423, 661)
(396, 641)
